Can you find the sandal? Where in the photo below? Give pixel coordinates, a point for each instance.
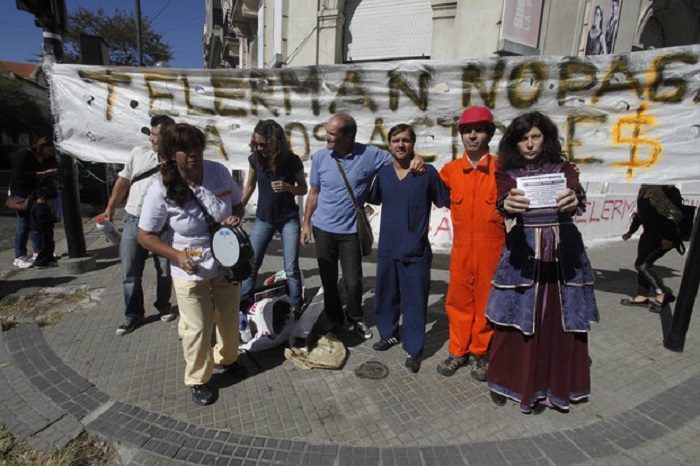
(632, 302)
(655, 306)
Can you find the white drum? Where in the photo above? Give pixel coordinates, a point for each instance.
(232, 250)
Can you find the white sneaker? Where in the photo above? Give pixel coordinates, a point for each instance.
(22, 263)
(34, 256)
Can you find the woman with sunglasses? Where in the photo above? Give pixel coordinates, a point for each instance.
(279, 176)
(177, 200)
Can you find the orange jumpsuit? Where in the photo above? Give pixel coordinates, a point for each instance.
(479, 234)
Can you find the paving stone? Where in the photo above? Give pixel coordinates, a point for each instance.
(645, 406)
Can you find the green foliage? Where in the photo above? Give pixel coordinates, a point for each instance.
(21, 112)
(119, 32)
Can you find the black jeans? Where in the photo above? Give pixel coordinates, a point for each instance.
(649, 251)
(329, 248)
(44, 246)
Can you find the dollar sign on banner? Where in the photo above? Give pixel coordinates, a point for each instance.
(637, 122)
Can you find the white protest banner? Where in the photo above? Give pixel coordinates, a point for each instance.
(623, 118)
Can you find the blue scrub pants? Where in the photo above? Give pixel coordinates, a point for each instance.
(402, 284)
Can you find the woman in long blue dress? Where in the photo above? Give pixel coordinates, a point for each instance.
(542, 300)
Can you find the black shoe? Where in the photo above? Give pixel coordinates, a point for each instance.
(498, 399)
(537, 409)
(167, 314)
(363, 330)
(46, 265)
(297, 311)
(655, 306)
(235, 370)
(385, 343)
(128, 326)
(335, 328)
(412, 363)
(201, 395)
(633, 302)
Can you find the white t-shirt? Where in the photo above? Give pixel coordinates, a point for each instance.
(141, 159)
(188, 227)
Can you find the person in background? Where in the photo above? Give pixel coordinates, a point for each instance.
(279, 175)
(595, 45)
(41, 221)
(177, 200)
(333, 213)
(613, 25)
(404, 255)
(659, 214)
(32, 167)
(478, 237)
(542, 301)
(135, 178)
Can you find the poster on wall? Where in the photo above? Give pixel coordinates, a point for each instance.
(603, 27)
(521, 22)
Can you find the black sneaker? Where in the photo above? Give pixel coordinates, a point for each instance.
(498, 399)
(235, 370)
(128, 326)
(412, 363)
(362, 330)
(168, 316)
(201, 395)
(46, 265)
(385, 343)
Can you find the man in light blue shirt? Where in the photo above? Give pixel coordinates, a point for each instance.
(334, 225)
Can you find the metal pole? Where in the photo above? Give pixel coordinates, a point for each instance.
(72, 218)
(138, 30)
(70, 195)
(690, 280)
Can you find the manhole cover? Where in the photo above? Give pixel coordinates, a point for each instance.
(372, 370)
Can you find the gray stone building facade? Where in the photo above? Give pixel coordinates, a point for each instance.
(278, 33)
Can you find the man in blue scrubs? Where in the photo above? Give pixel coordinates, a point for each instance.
(404, 254)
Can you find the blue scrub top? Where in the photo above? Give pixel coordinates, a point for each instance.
(406, 207)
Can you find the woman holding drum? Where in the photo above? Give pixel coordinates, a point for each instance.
(187, 187)
(279, 176)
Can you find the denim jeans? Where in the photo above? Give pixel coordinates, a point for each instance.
(22, 234)
(329, 248)
(133, 258)
(260, 238)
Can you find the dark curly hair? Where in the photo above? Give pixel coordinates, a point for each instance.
(179, 137)
(508, 154)
(276, 141)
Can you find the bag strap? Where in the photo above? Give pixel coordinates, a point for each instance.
(213, 224)
(347, 184)
(145, 174)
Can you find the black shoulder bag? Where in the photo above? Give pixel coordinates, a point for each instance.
(364, 230)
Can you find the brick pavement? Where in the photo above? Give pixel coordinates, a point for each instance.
(56, 381)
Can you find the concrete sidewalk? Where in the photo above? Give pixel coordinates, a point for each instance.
(59, 380)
